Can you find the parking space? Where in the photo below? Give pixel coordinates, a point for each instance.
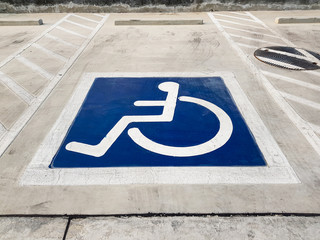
(82, 79)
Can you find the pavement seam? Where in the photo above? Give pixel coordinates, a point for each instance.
(67, 229)
(150, 215)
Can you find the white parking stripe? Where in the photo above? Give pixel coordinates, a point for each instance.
(300, 123)
(289, 54)
(247, 46)
(253, 39)
(34, 67)
(271, 30)
(238, 13)
(316, 128)
(16, 88)
(240, 24)
(238, 18)
(2, 130)
(50, 53)
(84, 18)
(248, 31)
(280, 63)
(71, 32)
(78, 24)
(98, 15)
(60, 40)
(292, 80)
(300, 100)
(309, 56)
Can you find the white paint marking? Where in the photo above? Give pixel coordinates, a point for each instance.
(3, 130)
(271, 30)
(22, 121)
(307, 58)
(16, 88)
(247, 46)
(301, 124)
(238, 13)
(101, 148)
(34, 67)
(50, 53)
(217, 141)
(8, 59)
(87, 19)
(60, 40)
(79, 25)
(292, 80)
(238, 18)
(253, 39)
(280, 63)
(98, 15)
(278, 170)
(71, 32)
(301, 100)
(316, 128)
(248, 31)
(240, 24)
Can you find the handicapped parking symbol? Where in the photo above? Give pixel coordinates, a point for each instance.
(158, 122)
(169, 106)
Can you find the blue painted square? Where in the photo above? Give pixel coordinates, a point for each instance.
(109, 99)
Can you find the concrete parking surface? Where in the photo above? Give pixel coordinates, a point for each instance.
(46, 72)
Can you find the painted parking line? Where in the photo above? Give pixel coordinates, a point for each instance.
(34, 104)
(277, 170)
(292, 80)
(2, 131)
(16, 88)
(78, 24)
(34, 67)
(57, 39)
(50, 53)
(281, 99)
(253, 39)
(71, 32)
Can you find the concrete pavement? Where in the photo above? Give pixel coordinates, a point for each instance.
(38, 81)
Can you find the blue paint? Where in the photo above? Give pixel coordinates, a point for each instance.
(109, 99)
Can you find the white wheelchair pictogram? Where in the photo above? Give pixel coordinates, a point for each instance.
(169, 105)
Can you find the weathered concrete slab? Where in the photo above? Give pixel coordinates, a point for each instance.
(202, 228)
(32, 228)
(144, 49)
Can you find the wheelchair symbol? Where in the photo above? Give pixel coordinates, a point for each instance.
(169, 105)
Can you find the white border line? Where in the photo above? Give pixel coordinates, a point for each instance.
(278, 170)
